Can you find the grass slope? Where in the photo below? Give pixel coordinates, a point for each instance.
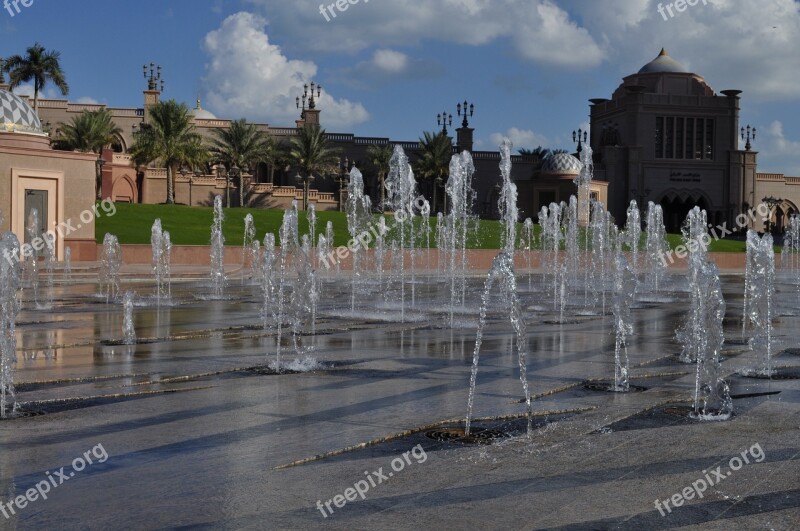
(192, 226)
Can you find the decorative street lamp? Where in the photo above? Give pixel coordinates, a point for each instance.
(748, 134)
(771, 202)
(308, 101)
(466, 112)
(305, 180)
(153, 78)
(442, 120)
(579, 137)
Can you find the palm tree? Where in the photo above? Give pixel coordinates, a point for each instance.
(311, 153)
(38, 65)
(434, 161)
(170, 139)
(240, 146)
(379, 156)
(539, 151)
(89, 132)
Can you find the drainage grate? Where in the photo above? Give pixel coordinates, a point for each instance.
(476, 435)
(607, 387)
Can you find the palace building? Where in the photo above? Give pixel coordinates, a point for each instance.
(664, 135)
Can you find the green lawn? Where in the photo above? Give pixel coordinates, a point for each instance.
(192, 226)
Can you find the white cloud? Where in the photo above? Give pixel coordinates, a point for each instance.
(249, 76)
(390, 61)
(732, 43)
(777, 153)
(539, 30)
(521, 138)
(87, 100)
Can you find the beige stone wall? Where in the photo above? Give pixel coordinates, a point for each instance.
(71, 175)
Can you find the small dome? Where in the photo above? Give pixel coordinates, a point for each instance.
(561, 164)
(16, 116)
(663, 63)
(201, 114)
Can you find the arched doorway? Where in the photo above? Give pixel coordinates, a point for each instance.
(676, 209)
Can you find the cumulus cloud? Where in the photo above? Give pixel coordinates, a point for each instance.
(390, 61)
(249, 76)
(521, 138)
(88, 100)
(539, 30)
(777, 153)
(733, 43)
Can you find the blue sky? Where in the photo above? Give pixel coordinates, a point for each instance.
(388, 67)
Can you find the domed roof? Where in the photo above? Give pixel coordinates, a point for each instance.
(201, 114)
(663, 63)
(561, 164)
(16, 116)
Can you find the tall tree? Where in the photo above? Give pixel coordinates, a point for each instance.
(241, 145)
(433, 164)
(311, 153)
(38, 65)
(379, 156)
(169, 139)
(89, 132)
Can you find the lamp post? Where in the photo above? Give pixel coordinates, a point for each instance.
(579, 137)
(305, 180)
(153, 78)
(771, 203)
(308, 98)
(748, 134)
(442, 120)
(466, 112)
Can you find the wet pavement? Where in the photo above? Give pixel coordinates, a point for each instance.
(197, 434)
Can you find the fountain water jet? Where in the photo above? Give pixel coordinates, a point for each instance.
(359, 216)
(161, 247)
(633, 234)
(656, 246)
(217, 271)
(9, 307)
(712, 400)
(761, 290)
(110, 264)
(624, 293)
(128, 329)
(501, 277)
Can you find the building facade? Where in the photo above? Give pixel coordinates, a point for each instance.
(666, 136)
(58, 184)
